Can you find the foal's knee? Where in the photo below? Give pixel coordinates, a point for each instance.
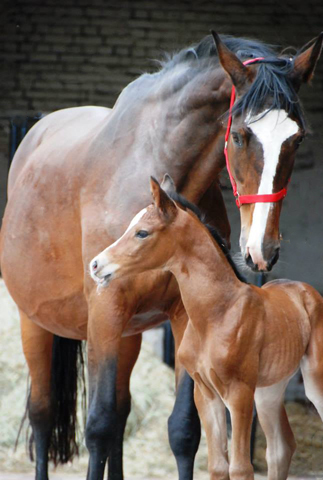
(220, 471)
(241, 472)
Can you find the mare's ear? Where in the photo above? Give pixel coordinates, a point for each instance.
(168, 184)
(241, 76)
(163, 203)
(305, 62)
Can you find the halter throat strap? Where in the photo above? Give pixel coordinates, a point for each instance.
(245, 199)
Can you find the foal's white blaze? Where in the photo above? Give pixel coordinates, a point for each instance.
(104, 265)
(133, 222)
(271, 131)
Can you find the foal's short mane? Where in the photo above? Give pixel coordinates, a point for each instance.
(213, 231)
(272, 82)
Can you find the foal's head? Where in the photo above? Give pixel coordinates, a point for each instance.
(146, 244)
(267, 128)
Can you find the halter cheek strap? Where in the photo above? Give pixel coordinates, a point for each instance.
(243, 199)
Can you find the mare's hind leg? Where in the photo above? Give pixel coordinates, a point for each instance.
(128, 354)
(184, 427)
(37, 346)
(274, 422)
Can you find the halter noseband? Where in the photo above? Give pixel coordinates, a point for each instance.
(243, 199)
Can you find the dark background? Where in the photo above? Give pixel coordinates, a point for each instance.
(62, 53)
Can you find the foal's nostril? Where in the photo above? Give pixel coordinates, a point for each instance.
(94, 265)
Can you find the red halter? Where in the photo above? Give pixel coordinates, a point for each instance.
(242, 199)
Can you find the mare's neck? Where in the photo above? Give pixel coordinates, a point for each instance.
(171, 121)
(206, 280)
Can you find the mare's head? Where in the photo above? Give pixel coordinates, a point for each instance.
(267, 128)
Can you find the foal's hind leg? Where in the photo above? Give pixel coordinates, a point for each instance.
(274, 422)
(312, 364)
(37, 346)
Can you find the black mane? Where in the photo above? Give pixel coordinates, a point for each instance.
(213, 231)
(272, 80)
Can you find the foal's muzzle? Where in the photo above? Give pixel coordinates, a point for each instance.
(102, 271)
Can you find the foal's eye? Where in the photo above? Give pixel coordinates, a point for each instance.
(237, 139)
(142, 234)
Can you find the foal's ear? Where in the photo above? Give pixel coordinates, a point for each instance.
(241, 76)
(163, 203)
(168, 184)
(305, 62)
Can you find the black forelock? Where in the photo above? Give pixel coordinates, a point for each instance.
(272, 83)
(213, 231)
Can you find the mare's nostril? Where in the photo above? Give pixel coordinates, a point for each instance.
(273, 259)
(250, 263)
(94, 265)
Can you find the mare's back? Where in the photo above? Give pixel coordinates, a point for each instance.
(58, 131)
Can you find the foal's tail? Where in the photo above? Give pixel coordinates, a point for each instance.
(67, 372)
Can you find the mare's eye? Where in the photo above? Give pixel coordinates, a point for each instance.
(237, 139)
(142, 234)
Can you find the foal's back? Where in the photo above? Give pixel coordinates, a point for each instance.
(293, 314)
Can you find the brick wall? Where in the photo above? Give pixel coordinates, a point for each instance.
(60, 53)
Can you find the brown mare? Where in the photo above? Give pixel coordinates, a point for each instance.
(241, 342)
(73, 188)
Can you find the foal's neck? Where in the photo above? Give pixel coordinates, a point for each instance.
(206, 280)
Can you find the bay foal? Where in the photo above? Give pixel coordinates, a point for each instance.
(241, 342)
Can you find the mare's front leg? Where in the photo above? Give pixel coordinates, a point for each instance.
(108, 315)
(37, 346)
(184, 428)
(212, 412)
(127, 357)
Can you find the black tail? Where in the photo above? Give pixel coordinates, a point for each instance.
(67, 372)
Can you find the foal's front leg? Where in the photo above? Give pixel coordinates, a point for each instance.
(184, 427)
(239, 399)
(212, 412)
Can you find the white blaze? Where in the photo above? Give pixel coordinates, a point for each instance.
(271, 131)
(133, 222)
(103, 262)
